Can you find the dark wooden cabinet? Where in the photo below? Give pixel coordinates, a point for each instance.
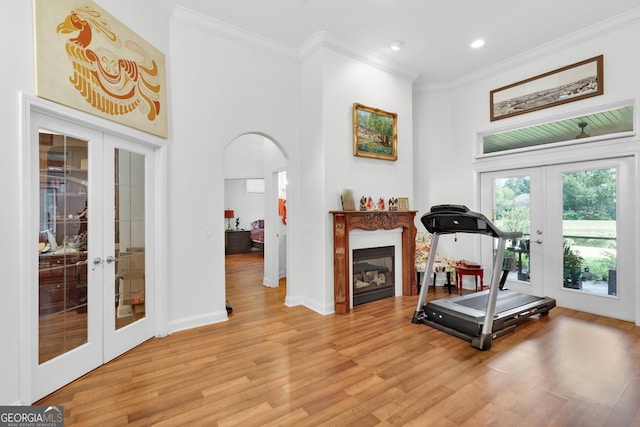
(62, 282)
(237, 242)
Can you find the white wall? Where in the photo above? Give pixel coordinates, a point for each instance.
(312, 207)
(434, 150)
(447, 120)
(221, 92)
(244, 157)
(347, 81)
(15, 27)
(328, 139)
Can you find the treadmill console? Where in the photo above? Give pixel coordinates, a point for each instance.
(449, 208)
(446, 219)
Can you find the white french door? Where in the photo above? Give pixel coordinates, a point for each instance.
(578, 230)
(514, 201)
(90, 296)
(589, 218)
(129, 303)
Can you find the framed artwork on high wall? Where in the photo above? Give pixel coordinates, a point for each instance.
(375, 133)
(88, 60)
(577, 81)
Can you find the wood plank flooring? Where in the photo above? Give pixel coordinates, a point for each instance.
(272, 365)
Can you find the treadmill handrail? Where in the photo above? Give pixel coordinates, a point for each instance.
(450, 219)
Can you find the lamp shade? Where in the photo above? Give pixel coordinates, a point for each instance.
(229, 214)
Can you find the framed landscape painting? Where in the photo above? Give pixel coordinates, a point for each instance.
(375, 133)
(567, 84)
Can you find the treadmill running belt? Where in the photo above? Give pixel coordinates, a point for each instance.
(506, 301)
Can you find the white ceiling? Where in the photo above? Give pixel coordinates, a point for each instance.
(436, 34)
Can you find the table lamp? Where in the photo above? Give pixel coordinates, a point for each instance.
(228, 214)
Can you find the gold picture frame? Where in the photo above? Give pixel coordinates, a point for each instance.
(403, 203)
(574, 82)
(375, 133)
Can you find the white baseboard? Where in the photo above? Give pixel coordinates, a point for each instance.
(311, 305)
(197, 321)
(268, 283)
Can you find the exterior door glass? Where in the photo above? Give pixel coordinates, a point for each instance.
(62, 245)
(512, 212)
(589, 230)
(577, 253)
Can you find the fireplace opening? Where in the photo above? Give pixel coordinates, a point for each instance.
(373, 274)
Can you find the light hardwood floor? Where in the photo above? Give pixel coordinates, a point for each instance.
(275, 365)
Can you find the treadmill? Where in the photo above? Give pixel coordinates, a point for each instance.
(481, 316)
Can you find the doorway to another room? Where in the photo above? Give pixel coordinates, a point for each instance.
(255, 209)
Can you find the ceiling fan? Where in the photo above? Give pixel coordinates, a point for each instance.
(582, 133)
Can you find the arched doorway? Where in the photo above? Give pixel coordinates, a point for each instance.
(255, 192)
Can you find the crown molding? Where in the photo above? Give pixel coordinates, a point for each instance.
(316, 41)
(225, 30)
(325, 40)
(597, 30)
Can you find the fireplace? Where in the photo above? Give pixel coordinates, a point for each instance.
(373, 274)
(370, 221)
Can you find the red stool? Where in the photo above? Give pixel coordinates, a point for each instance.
(470, 271)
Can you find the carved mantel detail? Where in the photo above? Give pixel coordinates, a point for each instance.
(344, 222)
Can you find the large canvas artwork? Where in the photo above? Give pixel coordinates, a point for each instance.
(567, 84)
(88, 60)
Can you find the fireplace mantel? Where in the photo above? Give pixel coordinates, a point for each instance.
(344, 222)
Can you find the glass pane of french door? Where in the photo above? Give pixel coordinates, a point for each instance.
(128, 299)
(513, 201)
(512, 212)
(64, 289)
(62, 244)
(589, 230)
(129, 236)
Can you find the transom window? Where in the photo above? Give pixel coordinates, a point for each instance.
(613, 123)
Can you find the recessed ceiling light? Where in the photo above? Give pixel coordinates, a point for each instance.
(477, 43)
(397, 45)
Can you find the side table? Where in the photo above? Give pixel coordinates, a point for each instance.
(468, 271)
(237, 242)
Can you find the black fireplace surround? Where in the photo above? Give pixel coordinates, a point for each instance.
(373, 274)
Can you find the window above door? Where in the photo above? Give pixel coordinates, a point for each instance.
(606, 123)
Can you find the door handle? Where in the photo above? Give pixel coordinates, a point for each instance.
(538, 241)
(96, 262)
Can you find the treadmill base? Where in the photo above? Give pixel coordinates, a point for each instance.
(463, 317)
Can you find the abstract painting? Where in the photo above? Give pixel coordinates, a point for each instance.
(88, 60)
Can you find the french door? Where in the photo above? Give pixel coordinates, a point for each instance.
(577, 244)
(91, 297)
